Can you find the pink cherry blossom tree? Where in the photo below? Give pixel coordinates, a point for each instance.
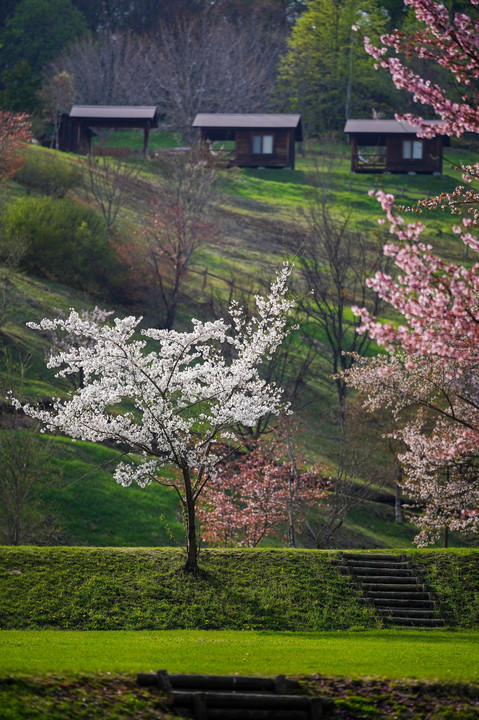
(429, 378)
(169, 399)
(261, 494)
(15, 131)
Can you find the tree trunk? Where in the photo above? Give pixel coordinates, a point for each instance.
(191, 564)
(293, 485)
(446, 536)
(397, 503)
(291, 533)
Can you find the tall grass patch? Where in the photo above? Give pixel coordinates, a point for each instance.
(142, 589)
(454, 576)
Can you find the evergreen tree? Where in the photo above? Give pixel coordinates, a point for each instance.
(32, 36)
(324, 74)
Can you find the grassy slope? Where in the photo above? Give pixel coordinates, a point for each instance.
(138, 589)
(97, 511)
(110, 697)
(255, 212)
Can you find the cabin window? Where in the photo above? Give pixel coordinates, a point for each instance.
(372, 156)
(412, 149)
(262, 144)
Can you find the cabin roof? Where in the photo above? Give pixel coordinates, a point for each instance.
(247, 120)
(114, 112)
(224, 123)
(383, 127)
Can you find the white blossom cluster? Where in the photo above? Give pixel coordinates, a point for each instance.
(435, 405)
(169, 396)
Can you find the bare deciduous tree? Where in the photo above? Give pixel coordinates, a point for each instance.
(109, 182)
(110, 68)
(336, 260)
(57, 94)
(211, 65)
(179, 224)
(357, 476)
(198, 63)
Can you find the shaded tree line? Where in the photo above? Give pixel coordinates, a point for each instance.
(194, 56)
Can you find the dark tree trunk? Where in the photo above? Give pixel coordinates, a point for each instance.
(291, 533)
(191, 564)
(397, 505)
(293, 486)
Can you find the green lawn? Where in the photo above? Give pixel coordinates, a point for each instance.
(133, 139)
(424, 655)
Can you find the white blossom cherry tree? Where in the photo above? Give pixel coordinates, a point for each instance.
(169, 399)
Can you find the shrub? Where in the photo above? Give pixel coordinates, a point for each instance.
(49, 173)
(64, 242)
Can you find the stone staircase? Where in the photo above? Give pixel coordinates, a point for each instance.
(390, 583)
(232, 697)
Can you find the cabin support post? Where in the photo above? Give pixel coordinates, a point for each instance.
(146, 140)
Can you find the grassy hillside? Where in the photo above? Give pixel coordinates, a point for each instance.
(135, 589)
(255, 212)
(365, 675)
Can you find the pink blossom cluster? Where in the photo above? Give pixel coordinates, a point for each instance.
(445, 39)
(435, 405)
(15, 130)
(450, 40)
(429, 378)
(252, 498)
(438, 300)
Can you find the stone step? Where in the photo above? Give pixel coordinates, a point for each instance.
(361, 570)
(390, 587)
(374, 558)
(386, 595)
(397, 593)
(378, 564)
(388, 580)
(416, 622)
(401, 603)
(220, 697)
(404, 612)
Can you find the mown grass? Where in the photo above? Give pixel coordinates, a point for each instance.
(268, 589)
(134, 139)
(424, 655)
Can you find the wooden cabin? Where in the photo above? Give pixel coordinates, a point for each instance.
(260, 140)
(392, 146)
(77, 128)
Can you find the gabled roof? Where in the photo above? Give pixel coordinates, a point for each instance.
(247, 120)
(223, 124)
(114, 112)
(383, 127)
